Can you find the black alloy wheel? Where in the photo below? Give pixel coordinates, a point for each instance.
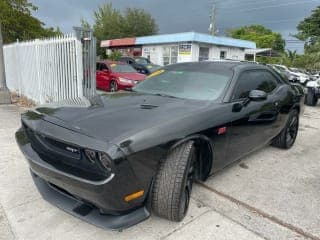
(292, 130)
(173, 183)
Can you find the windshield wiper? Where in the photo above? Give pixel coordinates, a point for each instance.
(165, 95)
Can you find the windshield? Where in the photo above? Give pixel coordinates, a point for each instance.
(143, 61)
(295, 70)
(279, 68)
(185, 84)
(122, 68)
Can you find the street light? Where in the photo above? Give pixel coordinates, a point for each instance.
(4, 92)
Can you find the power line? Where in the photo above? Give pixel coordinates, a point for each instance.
(264, 7)
(247, 1)
(244, 4)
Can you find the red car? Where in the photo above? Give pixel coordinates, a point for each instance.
(114, 76)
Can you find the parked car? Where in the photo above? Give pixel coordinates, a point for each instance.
(313, 93)
(128, 153)
(302, 77)
(114, 76)
(141, 64)
(289, 76)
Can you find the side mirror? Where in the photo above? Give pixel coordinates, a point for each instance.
(257, 95)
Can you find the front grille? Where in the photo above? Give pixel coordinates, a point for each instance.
(65, 157)
(42, 143)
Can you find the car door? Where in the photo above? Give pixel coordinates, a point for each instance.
(105, 77)
(254, 123)
(98, 76)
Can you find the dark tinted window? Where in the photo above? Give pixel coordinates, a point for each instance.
(104, 66)
(126, 60)
(122, 68)
(101, 66)
(254, 80)
(197, 85)
(98, 66)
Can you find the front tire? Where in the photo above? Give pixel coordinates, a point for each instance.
(173, 183)
(113, 86)
(311, 99)
(288, 135)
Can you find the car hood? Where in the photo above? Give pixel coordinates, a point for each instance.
(118, 116)
(131, 76)
(301, 75)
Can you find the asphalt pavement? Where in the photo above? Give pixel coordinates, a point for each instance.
(271, 194)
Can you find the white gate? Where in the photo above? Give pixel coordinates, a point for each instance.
(47, 70)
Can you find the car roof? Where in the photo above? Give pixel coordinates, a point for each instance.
(219, 65)
(108, 62)
(126, 57)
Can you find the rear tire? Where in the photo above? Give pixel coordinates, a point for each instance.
(288, 135)
(173, 183)
(311, 99)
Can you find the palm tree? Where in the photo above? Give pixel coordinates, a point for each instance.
(292, 55)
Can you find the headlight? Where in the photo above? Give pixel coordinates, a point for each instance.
(95, 156)
(124, 80)
(105, 160)
(91, 155)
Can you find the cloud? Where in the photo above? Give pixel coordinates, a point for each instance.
(186, 15)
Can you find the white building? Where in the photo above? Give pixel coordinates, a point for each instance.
(181, 47)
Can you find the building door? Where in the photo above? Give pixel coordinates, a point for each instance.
(203, 54)
(170, 54)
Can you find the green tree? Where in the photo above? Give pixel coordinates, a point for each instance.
(309, 28)
(108, 22)
(111, 23)
(137, 22)
(309, 31)
(18, 23)
(264, 38)
(85, 24)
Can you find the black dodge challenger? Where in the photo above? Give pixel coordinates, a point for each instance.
(111, 159)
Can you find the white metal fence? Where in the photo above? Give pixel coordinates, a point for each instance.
(47, 70)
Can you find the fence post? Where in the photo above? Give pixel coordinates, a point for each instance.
(4, 92)
(88, 45)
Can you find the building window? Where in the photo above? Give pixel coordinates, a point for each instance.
(203, 54)
(223, 54)
(170, 54)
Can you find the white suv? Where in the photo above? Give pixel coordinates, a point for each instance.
(313, 92)
(302, 77)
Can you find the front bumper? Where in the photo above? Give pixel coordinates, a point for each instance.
(86, 212)
(105, 197)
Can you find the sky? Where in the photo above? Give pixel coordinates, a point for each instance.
(174, 16)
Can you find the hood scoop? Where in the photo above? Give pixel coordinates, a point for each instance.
(148, 106)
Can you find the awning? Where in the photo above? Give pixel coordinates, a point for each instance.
(263, 52)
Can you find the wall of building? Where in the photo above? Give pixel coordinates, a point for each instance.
(231, 52)
(188, 52)
(154, 52)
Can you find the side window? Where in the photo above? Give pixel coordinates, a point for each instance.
(254, 80)
(103, 67)
(98, 67)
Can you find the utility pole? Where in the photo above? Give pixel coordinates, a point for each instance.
(213, 25)
(4, 92)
